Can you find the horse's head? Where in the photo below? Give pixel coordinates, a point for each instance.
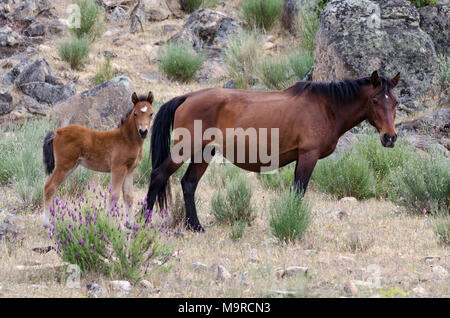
(381, 107)
(142, 112)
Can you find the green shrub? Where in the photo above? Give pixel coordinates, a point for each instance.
(290, 216)
(179, 61)
(105, 72)
(261, 13)
(441, 228)
(444, 65)
(142, 176)
(190, 5)
(222, 174)
(423, 3)
(423, 184)
(308, 23)
(242, 58)
(74, 51)
(348, 175)
(300, 62)
(21, 159)
(236, 205)
(279, 181)
(103, 241)
(91, 22)
(237, 230)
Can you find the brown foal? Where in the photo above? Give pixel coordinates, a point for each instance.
(118, 151)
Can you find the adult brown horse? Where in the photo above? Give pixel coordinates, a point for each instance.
(310, 118)
(118, 151)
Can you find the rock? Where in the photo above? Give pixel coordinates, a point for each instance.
(8, 37)
(122, 287)
(212, 70)
(435, 21)
(207, 29)
(5, 102)
(32, 105)
(98, 106)
(35, 29)
(109, 54)
(199, 267)
(145, 284)
(350, 288)
(348, 199)
(96, 290)
(156, 10)
(420, 291)
(282, 293)
(439, 271)
(345, 143)
(37, 82)
(341, 214)
(222, 273)
(29, 9)
(137, 17)
(356, 37)
(11, 228)
(308, 76)
(118, 14)
(431, 259)
(291, 271)
(229, 84)
(241, 278)
(289, 15)
(112, 31)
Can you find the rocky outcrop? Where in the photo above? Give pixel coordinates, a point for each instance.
(156, 10)
(356, 37)
(99, 107)
(9, 37)
(435, 20)
(37, 82)
(5, 102)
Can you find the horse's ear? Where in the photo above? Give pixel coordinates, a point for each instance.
(374, 79)
(396, 79)
(150, 97)
(134, 98)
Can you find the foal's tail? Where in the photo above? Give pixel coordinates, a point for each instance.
(49, 157)
(160, 140)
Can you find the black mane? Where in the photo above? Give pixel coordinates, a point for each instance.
(141, 98)
(339, 92)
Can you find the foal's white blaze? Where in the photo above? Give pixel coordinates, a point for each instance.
(387, 97)
(144, 109)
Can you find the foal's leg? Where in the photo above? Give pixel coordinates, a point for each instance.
(303, 170)
(189, 184)
(61, 172)
(127, 190)
(118, 175)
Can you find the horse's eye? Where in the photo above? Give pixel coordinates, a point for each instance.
(375, 101)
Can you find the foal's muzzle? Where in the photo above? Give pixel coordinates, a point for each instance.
(143, 133)
(388, 141)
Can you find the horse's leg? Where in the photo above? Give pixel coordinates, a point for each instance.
(61, 172)
(127, 190)
(158, 178)
(189, 184)
(117, 179)
(303, 170)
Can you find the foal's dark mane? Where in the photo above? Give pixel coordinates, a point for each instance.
(141, 98)
(339, 92)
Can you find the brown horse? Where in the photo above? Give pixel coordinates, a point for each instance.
(118, 151)
(309, 117)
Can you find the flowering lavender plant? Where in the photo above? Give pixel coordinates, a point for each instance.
(102, 239)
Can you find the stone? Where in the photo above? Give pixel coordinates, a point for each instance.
(96, 291)
(212, 70)
(435, 21)
(199, 267)
(11, 228)
(112, 31)
(291, 271)
(283, 293)
(37, 82)
(229, 84)
(420, 291)
(122, 287)
(156, 10)
(118, 14)
(35, 29)
(98, 106)
(431, 259)
(109, 54)
(346, 141)
(348, 199)
(29, 9)
(350, 288)
(222, 273)
(339, 213)
(145, 284)
(32, 105)
(9, 37)
(5, 102)
(289, 15)
(439, 271)
(356, 37)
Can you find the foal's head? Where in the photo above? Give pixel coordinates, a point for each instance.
(142, 113)
(381, 107)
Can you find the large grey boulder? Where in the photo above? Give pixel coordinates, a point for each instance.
(5, 102)
(37, 82)
(29, 9)
(156, 10)
(9, 37)
(435, 20)
(100, 107)
(356, 37)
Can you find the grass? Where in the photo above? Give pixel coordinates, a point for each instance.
(105, 72)
(74, 51)
(242, 57)
(444, 66)
(261, 13)
(279, 181)
(441, 229)
(423, 3)
(91, 22)
(179, 61)
(308, 23)
(290, 216)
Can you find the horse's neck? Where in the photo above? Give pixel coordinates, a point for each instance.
(349, 115)
(128, 131)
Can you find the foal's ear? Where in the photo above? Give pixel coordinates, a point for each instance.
(374, 79)
(150, 97)
(396, 79)
(134, 98)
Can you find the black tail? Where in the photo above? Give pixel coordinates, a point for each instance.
(160, 141)
(49, 158)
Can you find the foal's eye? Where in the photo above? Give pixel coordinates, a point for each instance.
(375, 101)
(135, 115)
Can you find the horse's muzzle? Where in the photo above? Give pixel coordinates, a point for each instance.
(388, 141)
(143, 133)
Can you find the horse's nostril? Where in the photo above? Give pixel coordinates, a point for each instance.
(394, 138)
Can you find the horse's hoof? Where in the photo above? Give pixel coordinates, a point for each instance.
(196, 228)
